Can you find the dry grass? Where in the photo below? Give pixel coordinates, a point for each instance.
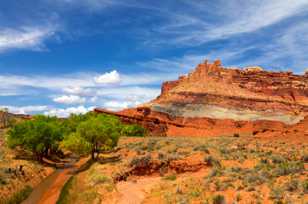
(235, 170)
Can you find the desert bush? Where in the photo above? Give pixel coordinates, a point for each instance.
(236, 135)
(291, 185)
(236, 169)
(238, 197)
(222, 185)
(224, 150)
(305, 186)
(305, 157)
(202, 148)
(254, 177)
(99, 179)
(2, 181)
(215, 172)
(140, 162)
(219, 199)
(286, 168)
(276, 194)
(277, 159)
(151, 145)
(211, 161)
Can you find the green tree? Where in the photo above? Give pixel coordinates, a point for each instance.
(98, 132)
(41, 135)
(133, 130)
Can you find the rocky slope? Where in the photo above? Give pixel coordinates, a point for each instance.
(213, 100)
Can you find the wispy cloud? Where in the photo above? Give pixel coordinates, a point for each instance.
(24, 38)
(190, 28)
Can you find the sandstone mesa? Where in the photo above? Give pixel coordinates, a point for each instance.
(213, 100)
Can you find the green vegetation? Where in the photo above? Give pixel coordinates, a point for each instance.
(219, 199)
(82, 134)
(134, 130)
(64, 195)
(19, 196)
(95, 134)
(41, 135)
(171, 177)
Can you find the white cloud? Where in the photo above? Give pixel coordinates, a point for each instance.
(69, 99)
(25, 109)
(24, 38)
(65, 112)
(286, 51)
(60, 112)
(119, 105)
(80, 84)
(112, 77)
(231, 18)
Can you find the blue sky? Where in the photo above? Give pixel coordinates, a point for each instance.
(67, 56)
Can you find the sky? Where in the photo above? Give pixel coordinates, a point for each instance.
(59, 57)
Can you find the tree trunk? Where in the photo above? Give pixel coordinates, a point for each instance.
(93, 154)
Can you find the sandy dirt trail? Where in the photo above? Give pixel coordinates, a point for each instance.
(134, 192)
(48, 191)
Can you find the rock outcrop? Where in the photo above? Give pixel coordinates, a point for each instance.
(213, 100)
(7, 118)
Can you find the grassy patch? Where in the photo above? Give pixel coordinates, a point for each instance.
(19, 196)
(64, 195)
(170, 177)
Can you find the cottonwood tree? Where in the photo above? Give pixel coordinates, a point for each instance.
(97, 133)
(41, 135)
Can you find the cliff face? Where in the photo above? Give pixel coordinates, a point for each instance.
(213, 100)
(242, 95)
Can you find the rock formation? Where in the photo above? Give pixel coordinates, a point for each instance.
(213, 100)
(7, 118)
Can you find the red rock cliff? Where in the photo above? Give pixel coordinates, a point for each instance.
(213, 100)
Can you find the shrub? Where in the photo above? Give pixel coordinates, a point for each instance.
(171, 177)
(202, 148)
(133, 130)
(219, 199)
(151, 145)
(276, 194)
(292, 185)
(277, 159)
(305, 157)
(2, 181)
(305, 186)
(140, 162)
(289, 168)
(215, 172)
(211, 161)
(236, 135)
(238, 197)
(98, 179)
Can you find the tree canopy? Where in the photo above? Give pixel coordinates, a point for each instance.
(82, 134)
(41, 135)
